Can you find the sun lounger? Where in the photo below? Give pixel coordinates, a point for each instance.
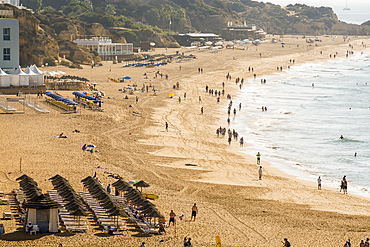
(73, 228)
(4, 201)
(7, 215)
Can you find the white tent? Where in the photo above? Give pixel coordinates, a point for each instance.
(19, 78)
(58, 72)
(40, 74)
(50, 73)
(32, 75)
(4, 79)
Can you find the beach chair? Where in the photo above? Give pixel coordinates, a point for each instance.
(2, 193)
(7, 215)
(35, 229)
(73, 228)
(4, 201)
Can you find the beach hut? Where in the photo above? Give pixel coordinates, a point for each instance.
(4, 79)
(39, 73)
(19, 78)
(32, 76)
(42, 211)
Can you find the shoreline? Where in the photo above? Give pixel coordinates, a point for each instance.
(233, 203)
(289, 169)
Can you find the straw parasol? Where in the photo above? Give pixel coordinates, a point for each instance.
(141, 184)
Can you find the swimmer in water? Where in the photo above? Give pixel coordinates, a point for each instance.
(341, 137)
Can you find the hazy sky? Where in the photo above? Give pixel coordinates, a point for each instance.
(359, 13)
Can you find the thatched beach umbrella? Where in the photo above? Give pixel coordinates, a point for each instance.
(141, 184)
(78, 213)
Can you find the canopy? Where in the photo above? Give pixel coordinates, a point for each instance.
(88, 97)
(4, 79)
(60, 98)
(39, 73)
(32, 75)
(19, 78)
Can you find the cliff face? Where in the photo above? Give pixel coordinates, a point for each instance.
(34, 42)
(49, 36)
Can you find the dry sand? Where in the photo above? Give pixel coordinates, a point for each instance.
(223, 182)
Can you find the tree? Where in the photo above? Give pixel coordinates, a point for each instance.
(152, 16)
(110, 9)
(75, 9)
(180, 15)
(166, 15)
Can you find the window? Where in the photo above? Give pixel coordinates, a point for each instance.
(6, 33)
(6, 54)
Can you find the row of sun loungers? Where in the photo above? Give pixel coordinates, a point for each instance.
(102, 216)
(145, 227)
(71, 222)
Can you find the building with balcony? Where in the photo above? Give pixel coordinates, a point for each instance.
(240, 32)
(106, 49)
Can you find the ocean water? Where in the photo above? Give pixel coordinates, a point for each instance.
(358, 13)
(299, 133)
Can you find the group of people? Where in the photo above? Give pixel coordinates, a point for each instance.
(343, 184)
(194, 212)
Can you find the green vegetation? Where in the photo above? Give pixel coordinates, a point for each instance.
(177, 16)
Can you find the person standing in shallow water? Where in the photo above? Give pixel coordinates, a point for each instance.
(344, 184)
(319, 183)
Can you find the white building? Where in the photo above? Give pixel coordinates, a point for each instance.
(106, 49)
(9, 44)
(12, 2)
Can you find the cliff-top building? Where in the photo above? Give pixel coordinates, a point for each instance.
(240, 32)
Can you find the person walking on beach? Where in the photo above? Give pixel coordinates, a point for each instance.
(201, 110)
(241, 141)
(166, 126)
(344, 185)
(362, 244)
(258, 158)
(108, 188)
(348, 243)
(286, 243)
(200, 99)
(260, 173)
(319, 183)
(194, 211)
(172, 218)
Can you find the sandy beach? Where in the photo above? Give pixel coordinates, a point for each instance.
(185, 165)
